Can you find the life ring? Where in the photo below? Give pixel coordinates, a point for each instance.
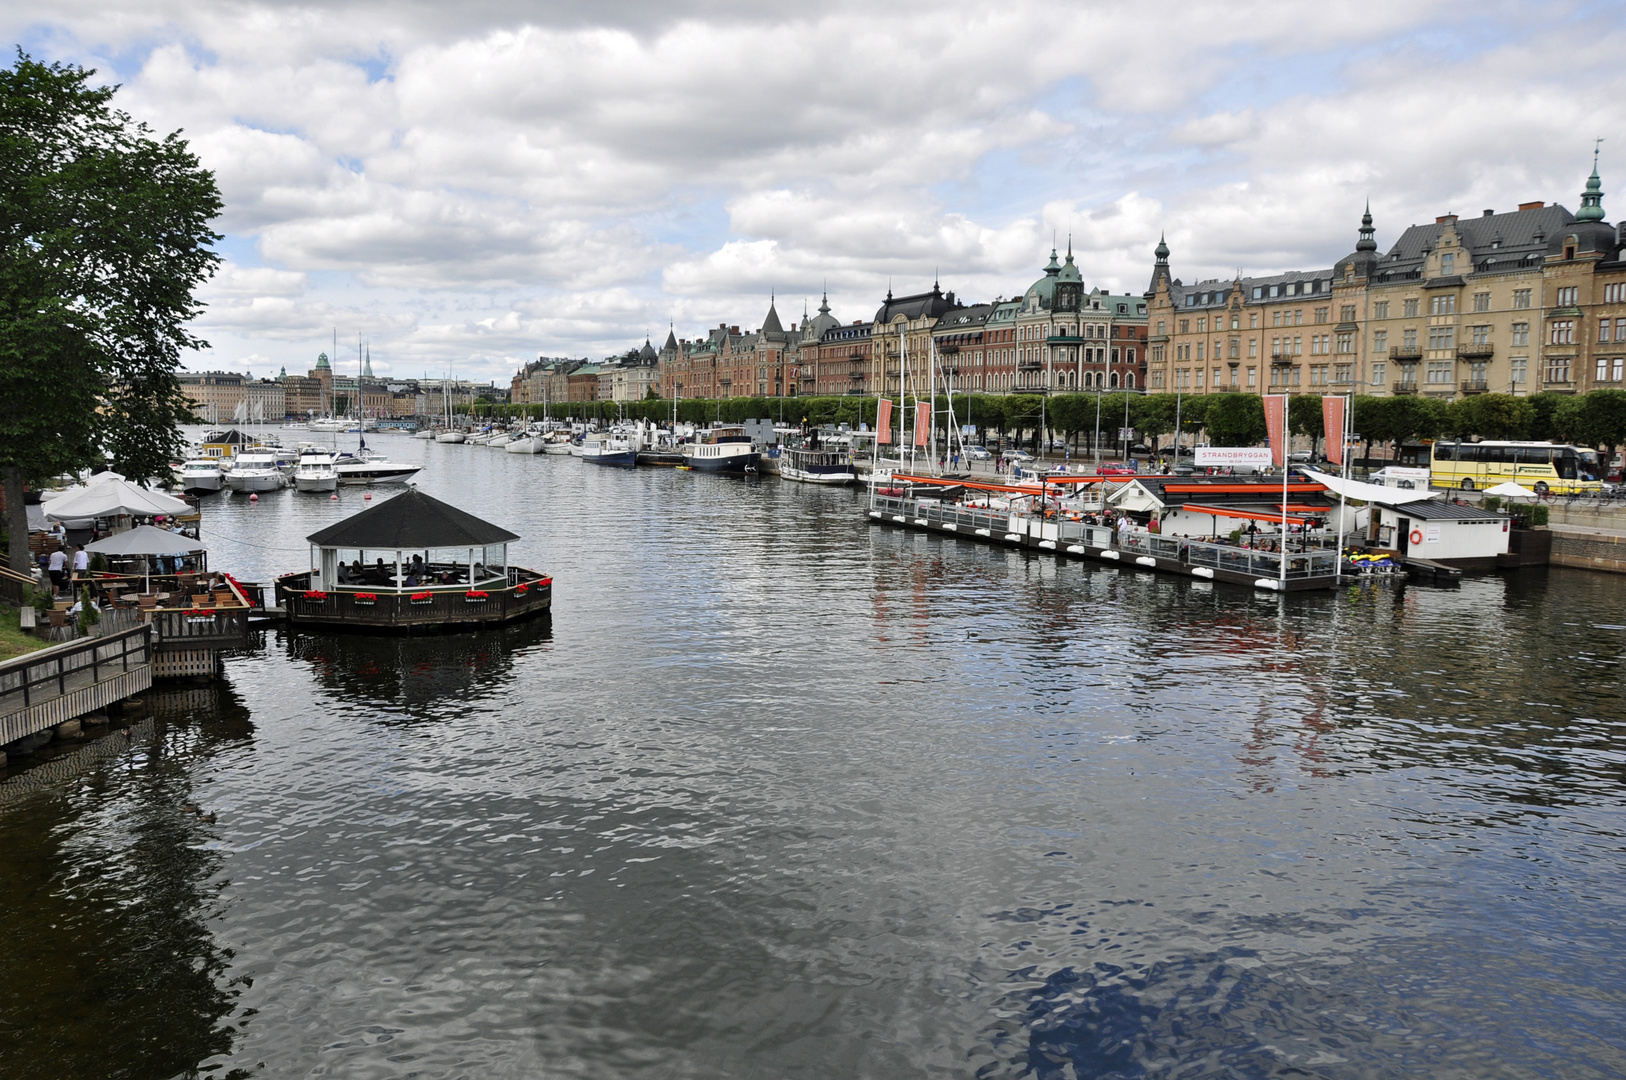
(1417, 536)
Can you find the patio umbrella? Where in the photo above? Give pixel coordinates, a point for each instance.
(147, 541)
(1510, 490)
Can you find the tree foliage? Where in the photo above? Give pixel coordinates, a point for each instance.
(104, 236)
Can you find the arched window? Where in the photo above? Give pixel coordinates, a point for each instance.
(1114, 380)
(1129, 380)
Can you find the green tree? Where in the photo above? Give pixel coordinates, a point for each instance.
(1544, 409)
(1490, 416)
(1235, 420)
(1597, 419)
(104, 236)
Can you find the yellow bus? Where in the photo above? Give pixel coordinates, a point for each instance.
(1541, 467)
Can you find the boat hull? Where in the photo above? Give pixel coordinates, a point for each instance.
(620, 459)
(834, 477)
(524, 446)
(449, 437)
(558, 449)
(255, 483)
(732, 465)
(202, 484)
(660, 457)
(361, 475)
(316, 483)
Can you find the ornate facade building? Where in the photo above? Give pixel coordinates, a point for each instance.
(1583, 340)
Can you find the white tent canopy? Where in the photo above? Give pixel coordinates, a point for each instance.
(1364, 492)
(1510, 490)
(112, 498)
(146, 540)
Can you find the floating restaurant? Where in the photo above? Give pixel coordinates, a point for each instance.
(1280, 546)
(412, 564)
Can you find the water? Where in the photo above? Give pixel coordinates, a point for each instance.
(779, 794)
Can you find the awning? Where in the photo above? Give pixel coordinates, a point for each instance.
(114, 498)
(146, 540)
(1364, 492)
(1243, 515)
(1510, 490)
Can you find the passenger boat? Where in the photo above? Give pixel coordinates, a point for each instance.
(255, 470)
(813, 465)
(314, 472)
(610, 450)
(725, 449)
(201, 474)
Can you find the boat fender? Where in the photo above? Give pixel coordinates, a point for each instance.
(1147, 560)
(1110, 554)
(1203, 572)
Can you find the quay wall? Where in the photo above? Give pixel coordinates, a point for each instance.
(1589, 548)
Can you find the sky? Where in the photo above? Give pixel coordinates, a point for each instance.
(468, 187)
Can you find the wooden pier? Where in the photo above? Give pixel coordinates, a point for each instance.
(42, 689)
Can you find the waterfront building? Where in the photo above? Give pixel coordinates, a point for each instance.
(303, 395)
(900, 336)
(1583, 340)
(963, 351)
(806, 372)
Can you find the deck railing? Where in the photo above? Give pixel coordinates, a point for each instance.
(497, 599)
(52, 672)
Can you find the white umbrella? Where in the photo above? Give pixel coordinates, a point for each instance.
(113, 498)
(149, 541)
(1510, 490)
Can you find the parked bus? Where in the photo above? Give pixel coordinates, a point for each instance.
(1541, 467)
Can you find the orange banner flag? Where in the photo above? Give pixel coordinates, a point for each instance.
(1332, 422)
(883, 423)
(1276, 427)
(923, 422)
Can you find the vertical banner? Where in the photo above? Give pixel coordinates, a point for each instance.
(923, 422)
(1276, 427)
(1332, 422)
(883, 423)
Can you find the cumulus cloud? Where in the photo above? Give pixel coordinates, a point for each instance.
(475, 184)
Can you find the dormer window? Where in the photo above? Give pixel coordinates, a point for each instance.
(1448, 264)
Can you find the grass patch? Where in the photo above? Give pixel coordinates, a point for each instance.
(14, 640)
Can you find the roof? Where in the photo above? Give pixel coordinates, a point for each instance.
(917, 306)
(411, 520)
(1490, 241)
(146, 540)
(1444, 511)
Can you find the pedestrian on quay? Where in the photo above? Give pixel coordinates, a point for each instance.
(81, 563)
(58, 569)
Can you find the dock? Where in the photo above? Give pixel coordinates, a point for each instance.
(1066, 538)
(52, 686)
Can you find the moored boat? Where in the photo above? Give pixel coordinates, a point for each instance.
(255, 470)
(201, 475)
(314, 472)
(610, 450)
(726, 449)
(815, 465)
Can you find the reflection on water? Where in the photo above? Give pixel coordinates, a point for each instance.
(777, 793)
(110, 894)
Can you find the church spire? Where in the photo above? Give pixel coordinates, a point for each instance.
(1366, 242)
(1592, 199)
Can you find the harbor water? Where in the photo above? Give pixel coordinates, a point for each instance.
(778, 794)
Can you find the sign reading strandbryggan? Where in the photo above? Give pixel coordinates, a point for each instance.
(1257, 457)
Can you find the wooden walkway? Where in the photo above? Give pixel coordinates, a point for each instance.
(42, 689)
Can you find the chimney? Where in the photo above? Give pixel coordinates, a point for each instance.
(1530, 206)
(1445, 219)
(1490, 213)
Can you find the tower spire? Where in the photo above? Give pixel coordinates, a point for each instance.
(1366, 242)
(1592, 199)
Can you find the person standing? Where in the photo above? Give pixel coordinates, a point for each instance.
(58, 569)
(81, 564)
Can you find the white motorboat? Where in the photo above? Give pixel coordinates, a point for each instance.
(314, 472)
(426, 433)
(201, 474)
(366, 467)
(449, 437)
(255, 469)
(328, 423)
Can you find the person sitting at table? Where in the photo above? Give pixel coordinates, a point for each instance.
(417, 565)
(381, 570)
(411, 581)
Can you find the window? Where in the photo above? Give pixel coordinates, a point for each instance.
(1603, 329)
(1521, 333)
(1410, 309)
(1566, 297)
(1298, 316)
(1521, 298)
(1252, 378)
(1276, 318)
(1253, 320)
(1200, 345)
(1202, 325)
(1298, 346)
(1602, 372)
(1346, 313)
(1380, 341)
(1481, 335)
(1562, 332)
(1318, 375)
(1161, 331)
(1321, 314)
(1295, 376)
(1199, 372)
(1410, 339)
(1448, 264)
(1253, 348)
(1379, 372)
(1442, 305)
(1185, 326)
(1620, 329)
(1520, 366)
(1346, 341)
(1614, 294)
(1558, 369)
(1619, 368)
(1236, 347)
(1380, 310)
(1343, 373)
(1439, 372)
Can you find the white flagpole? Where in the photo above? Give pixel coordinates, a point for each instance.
(1286, 443)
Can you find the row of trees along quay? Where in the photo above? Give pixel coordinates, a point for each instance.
(1596, 419)
(104, 236)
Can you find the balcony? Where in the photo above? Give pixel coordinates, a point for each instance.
(1030, 365)
(858, 376)
(1476, 352)
(1282, 359)
(1475, 386)
(1406, 354)
(1404, 388)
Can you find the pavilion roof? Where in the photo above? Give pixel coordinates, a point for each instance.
(411, 520)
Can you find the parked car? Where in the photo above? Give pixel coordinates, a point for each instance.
(1300, 457)
(1142, 449)
(1117, 468)
(1021, 457)
(978, 453)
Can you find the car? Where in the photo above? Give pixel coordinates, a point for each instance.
(1141, 449)
(978, 453)
(1021, 457)
(1117, 468)
(1184, 469)
(1300, 457)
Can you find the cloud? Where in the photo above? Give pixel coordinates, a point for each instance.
(474, 184)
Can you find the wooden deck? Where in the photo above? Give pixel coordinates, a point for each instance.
(45, 688)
